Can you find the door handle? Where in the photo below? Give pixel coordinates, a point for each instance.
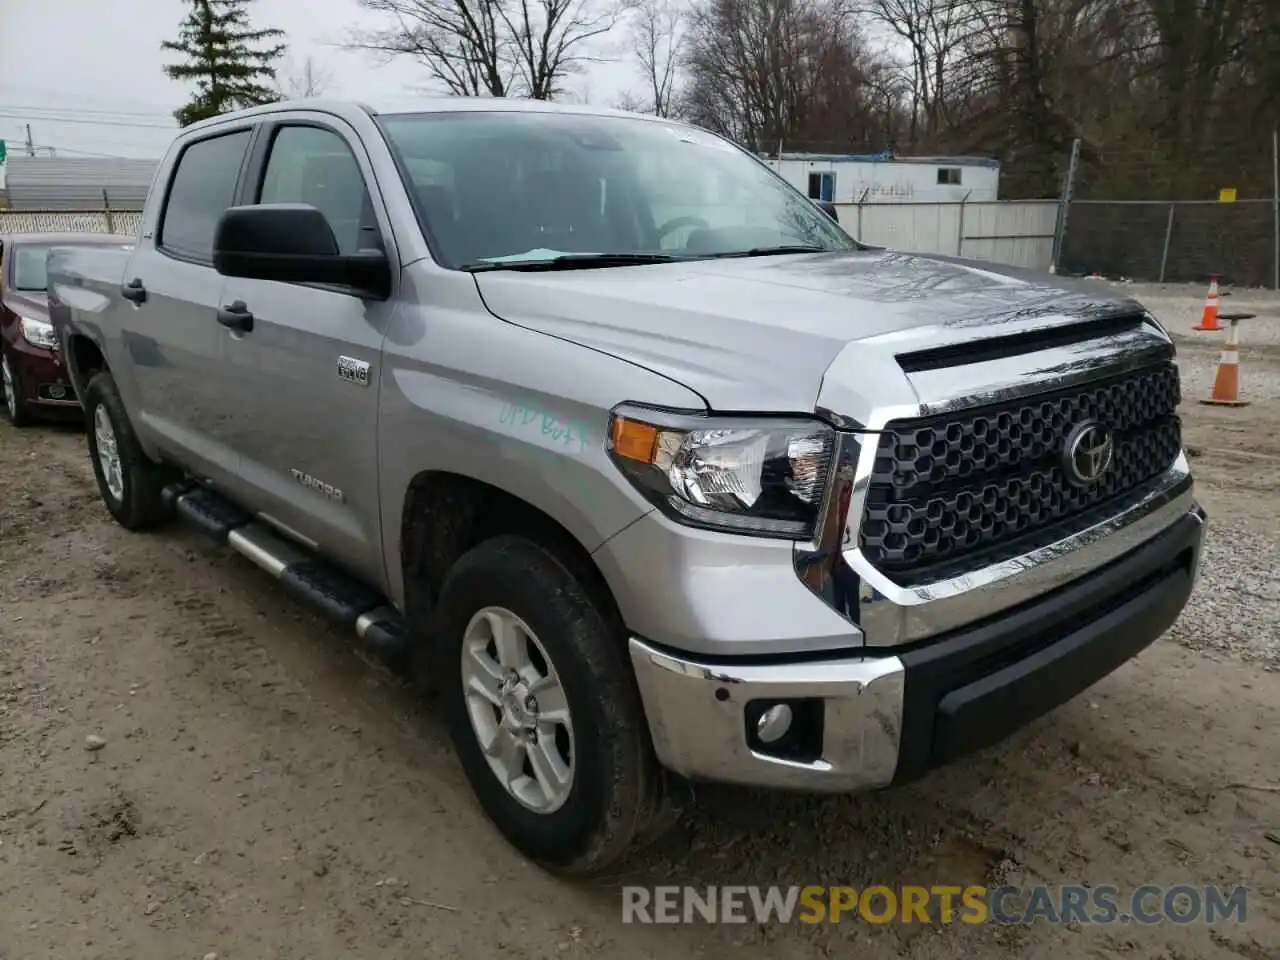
(236, 316)
(134, 291)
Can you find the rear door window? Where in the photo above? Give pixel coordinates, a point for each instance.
(203, 188)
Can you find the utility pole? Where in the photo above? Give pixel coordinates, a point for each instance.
(31, 146)
(1064, 205)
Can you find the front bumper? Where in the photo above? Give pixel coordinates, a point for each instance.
(43, 376)
(871, 721)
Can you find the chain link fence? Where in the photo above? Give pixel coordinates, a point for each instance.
(1179, 241)
(123, 222)
(1143, 215)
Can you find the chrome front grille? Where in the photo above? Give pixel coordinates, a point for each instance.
(990, 483)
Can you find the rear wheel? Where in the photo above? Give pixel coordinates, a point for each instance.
(15, 407)
(128, 480)
(543, 708)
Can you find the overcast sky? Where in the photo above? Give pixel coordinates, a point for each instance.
(87, 74)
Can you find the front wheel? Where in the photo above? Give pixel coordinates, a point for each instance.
(542, 707)
(128, 480)
(15, 407)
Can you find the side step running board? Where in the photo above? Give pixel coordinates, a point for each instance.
(344, 601)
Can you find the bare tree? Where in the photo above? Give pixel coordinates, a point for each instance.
(933, 32)
(1164, 95)
(310, 78)
(550, 37)
(770, 71)
(497, 48)
(461, 43)
(657, 38)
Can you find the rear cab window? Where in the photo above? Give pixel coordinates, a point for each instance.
(202, 188)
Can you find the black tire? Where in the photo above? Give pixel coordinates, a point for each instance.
(611, 798)
(20, 414)
(140, 505)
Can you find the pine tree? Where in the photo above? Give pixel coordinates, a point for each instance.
(231, 63)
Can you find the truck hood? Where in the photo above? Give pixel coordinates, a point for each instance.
(28, 303)
(759, 334)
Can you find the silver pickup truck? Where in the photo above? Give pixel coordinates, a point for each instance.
(598, 427)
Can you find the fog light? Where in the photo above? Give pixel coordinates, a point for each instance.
(57, 391)
(774, 723)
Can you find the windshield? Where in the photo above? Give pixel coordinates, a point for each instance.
(29, 267)
(508, 186)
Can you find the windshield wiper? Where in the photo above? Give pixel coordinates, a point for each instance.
(573, 261)
(769, 251)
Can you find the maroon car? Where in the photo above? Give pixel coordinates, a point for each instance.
(34, 377)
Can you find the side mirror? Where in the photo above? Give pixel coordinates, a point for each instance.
(829, 209)
(293, 243)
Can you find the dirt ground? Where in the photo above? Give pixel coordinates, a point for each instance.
(265, 793)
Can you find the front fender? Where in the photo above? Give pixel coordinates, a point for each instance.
(465, 393)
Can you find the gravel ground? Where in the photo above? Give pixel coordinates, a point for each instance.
(1179, 307)
(1236, 607)
(190, 764)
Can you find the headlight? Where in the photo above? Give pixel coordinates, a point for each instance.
(38, 333)
(759, 476)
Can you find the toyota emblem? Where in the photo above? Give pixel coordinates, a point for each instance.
(1088, 453)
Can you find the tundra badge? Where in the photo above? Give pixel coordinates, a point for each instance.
(353, 370)
(328, 489)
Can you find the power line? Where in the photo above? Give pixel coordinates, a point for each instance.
(94, 123)
(84, 111)
(79, 96)
(131, 139)
(86, 153)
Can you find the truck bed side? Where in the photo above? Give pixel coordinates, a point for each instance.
(85, 302)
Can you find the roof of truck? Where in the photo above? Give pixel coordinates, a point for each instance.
(400, 105)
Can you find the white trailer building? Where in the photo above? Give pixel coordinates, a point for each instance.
(884, 178)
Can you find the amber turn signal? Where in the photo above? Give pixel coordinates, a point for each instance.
(633, 439)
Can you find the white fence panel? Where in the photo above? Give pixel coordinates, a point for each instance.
(1018, 233)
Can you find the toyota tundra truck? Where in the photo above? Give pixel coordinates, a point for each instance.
(596, 427)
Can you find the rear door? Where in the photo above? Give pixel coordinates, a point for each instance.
(301, 401)
(173, 294)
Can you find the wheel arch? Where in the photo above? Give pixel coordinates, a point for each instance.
(445, 514)
(84, 358)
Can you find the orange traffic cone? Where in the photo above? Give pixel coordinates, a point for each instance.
(1209, 319)
(1226, 384)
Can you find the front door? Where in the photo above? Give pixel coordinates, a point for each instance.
(303, 381)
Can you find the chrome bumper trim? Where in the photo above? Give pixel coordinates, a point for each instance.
(696, 715)
(891, 614)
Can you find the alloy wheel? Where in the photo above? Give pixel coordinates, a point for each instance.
(104, 434)
(518, 709)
